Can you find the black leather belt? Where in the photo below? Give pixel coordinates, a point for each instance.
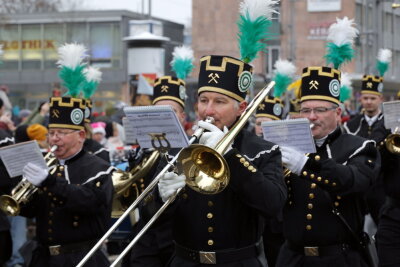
(55, 250)
(393, 202)
(217, 257)
(321, 251)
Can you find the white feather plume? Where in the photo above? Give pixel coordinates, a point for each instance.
(285, 67)
(345, 80)
(258, 8)
(384, 55)
(71, 55)
(92, 74)
(342, 32)
(182, 52)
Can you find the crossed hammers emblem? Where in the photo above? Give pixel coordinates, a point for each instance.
(314, 84)
(213, 77)
(261, 107)
(164, 89)
(369, 85)
(56, 113)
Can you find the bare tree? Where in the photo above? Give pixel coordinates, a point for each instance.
(36, 6)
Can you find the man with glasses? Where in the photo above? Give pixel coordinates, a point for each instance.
(73, 206)
(335, 177)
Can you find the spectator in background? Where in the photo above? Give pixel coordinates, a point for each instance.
(40, 115)
(6, 123)
(4, 90)
(99, 132)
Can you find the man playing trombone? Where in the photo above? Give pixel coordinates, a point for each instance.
(225, 229)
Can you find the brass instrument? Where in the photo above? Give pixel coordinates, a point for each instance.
(125, 189)
(205, 169)
(392, 143)
(394, 5)
(23, 191)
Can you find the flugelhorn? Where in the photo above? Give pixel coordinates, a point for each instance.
(392, 142)
(23, 191)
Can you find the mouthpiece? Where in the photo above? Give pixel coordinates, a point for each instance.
(53, 148)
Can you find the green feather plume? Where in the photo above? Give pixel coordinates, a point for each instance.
(346, 88)
(92, 80)
(182, 62)
(383, 60)
(283, 76)
(281, 83)
(251, 34)
(72, 79)
(337, 55)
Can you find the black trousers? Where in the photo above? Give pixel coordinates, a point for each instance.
(388, 237)
(5, 246)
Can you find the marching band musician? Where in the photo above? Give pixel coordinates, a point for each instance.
(73, 205)
(155, 248)
(370, 125)
(225, 229)
(336, 176)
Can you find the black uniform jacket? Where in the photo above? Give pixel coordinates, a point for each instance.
(359, 126)
(233, 218)
(345, 166)
(73, 204)
(95, 148)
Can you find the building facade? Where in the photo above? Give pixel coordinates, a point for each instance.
(30, 44)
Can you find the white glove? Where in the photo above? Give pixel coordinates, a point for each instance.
(169, 183)
(214, 135)
(293, 159)
(34, 174)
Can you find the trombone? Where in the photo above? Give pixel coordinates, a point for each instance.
(205, 169)
(23, 191)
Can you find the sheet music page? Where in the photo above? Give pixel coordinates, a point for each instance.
(15, 157)
(295, 133)
(391, 111)
(146, 123)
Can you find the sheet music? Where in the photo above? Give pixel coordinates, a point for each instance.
(295, 133)
(391, 111)
(15, 157)
(143, 122)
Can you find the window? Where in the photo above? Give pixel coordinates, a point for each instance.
(53, 37)
(9, 38)
(31, 47)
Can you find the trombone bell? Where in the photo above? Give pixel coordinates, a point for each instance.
(9, 205)
(392, 143)
(205, 169)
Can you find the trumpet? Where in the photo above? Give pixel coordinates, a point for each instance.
(205, 169)
(23, 191)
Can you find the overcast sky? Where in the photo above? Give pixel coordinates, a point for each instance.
(175, 10)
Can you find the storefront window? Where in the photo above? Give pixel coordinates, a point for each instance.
(31, 47)
(53, 37)
(9, 38)
(101, 45)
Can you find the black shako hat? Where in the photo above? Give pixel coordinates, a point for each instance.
(67, 112)
(372, 85)
(169, 88)
(225, 75)
(320, 83)
(271, 107)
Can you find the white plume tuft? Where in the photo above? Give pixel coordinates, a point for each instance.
(384, 55)
(182, 52)
(71, 55)
(285, 67)
(92, 74)
(258, 8)
(342, 32)
(346, 80)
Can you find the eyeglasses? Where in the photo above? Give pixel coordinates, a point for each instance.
(317, 111)
(60, 134)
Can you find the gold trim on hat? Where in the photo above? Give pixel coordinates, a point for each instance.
(373, 78)
(169, 80)
(222, 67)
(221, 91)
(370, 92)
(66, 126)
(322, 73)
(320, 97)
(169, 98)
(267, 116)
(71, 103)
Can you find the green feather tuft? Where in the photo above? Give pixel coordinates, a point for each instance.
(88, 89)
(382, 67)
(337, 55)
(345, 93)
(72, 79)
(281, 83)
(251, 35)
(182, 67)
